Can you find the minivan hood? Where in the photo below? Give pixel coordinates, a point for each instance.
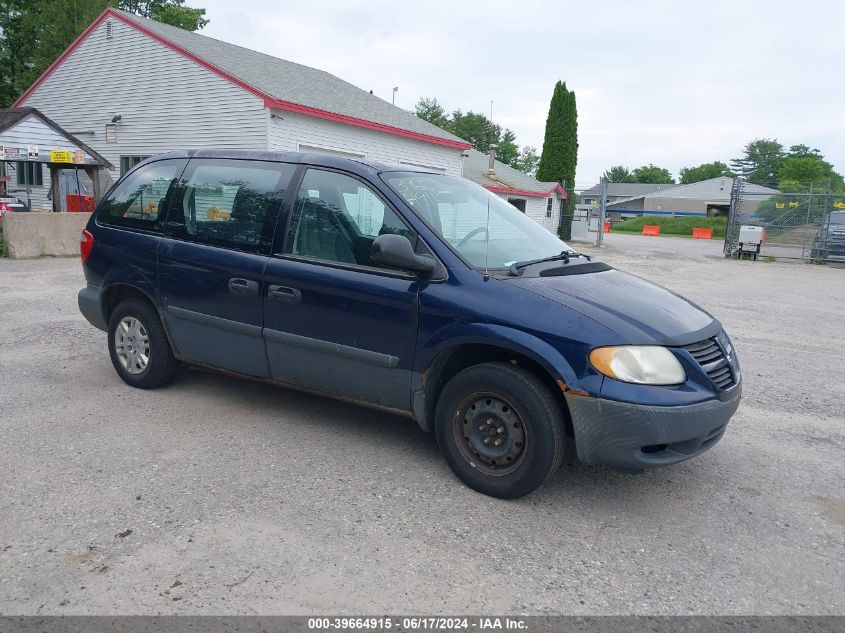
(639, 311)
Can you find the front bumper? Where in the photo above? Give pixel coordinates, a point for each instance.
(91, 306)
(635, 437)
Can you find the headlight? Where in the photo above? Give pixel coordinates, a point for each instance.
(645, 365)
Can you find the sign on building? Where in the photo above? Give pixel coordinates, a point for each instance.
(61, 156)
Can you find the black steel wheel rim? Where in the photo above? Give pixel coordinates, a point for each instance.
(490, 434)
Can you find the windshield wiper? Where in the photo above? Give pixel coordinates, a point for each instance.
(563, 255)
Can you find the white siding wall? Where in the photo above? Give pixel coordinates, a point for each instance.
(288, 130)
(166, 101)
(535, 208)
(34, 131)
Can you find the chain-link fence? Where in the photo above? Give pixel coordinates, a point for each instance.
(806, 224)
(586, 223)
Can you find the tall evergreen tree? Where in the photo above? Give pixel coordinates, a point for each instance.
(560, 148)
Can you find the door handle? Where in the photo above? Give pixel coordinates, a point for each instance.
(283, 293)
(238, 286)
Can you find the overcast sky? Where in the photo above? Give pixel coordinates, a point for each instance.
(662, 82)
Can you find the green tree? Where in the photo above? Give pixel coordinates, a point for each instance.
(481, 132)
(798, 172)
(617, 173)
(527, 160)
(475, 128)
(507, 151)
(652, 174)
(705, 171)
(429, 109)
(560, 149)
(173, 12)
(804, 150)
(761, 161)
(33, 33)
(560, 143)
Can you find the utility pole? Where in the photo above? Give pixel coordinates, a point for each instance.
(602, 212)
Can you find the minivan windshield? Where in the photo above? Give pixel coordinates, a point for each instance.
(486, 231)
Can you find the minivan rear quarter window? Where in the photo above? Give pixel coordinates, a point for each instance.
(138, 201)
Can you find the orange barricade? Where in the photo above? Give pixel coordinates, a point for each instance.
(76, 203)
(607, 227)
(702, 234)
(651, 229)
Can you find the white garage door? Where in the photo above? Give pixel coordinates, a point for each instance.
(314, 149)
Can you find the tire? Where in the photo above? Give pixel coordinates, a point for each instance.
(497, 401)
(142, 336)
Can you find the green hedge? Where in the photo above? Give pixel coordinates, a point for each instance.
(673, 226)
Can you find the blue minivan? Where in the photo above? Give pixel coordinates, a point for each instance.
(410, 291)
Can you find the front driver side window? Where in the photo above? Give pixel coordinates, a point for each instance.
(337, 218)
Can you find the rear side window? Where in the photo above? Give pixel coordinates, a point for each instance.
(139, 200)
(230, 203)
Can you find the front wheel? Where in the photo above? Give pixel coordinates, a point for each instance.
(500, 429)
(138, 345)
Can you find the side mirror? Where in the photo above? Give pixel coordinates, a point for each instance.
(396, 251)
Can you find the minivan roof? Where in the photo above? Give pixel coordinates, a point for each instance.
(321, 160)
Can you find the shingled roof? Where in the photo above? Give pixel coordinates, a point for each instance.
(282, 84)
(504, 179)
(627, 189)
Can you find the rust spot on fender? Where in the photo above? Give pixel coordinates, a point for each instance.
(567, 389)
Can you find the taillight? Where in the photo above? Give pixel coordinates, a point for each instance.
(86, 243)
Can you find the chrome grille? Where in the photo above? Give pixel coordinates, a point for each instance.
(711, 356)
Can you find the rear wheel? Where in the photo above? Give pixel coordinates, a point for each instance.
(499, 429)
(138, 345)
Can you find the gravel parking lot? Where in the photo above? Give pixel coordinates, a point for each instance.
(218, 495)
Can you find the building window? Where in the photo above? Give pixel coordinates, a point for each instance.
(29, 174)
(519, 203)
(549, 206)
(128, 162)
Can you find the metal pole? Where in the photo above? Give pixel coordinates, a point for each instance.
(602, 212)
(807, 223)
(55, 186)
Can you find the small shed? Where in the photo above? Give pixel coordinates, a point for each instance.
(29, 140)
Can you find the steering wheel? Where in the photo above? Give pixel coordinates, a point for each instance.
(472, 234)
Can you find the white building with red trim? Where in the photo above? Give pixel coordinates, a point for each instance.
(131, 88)
(541, 201)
